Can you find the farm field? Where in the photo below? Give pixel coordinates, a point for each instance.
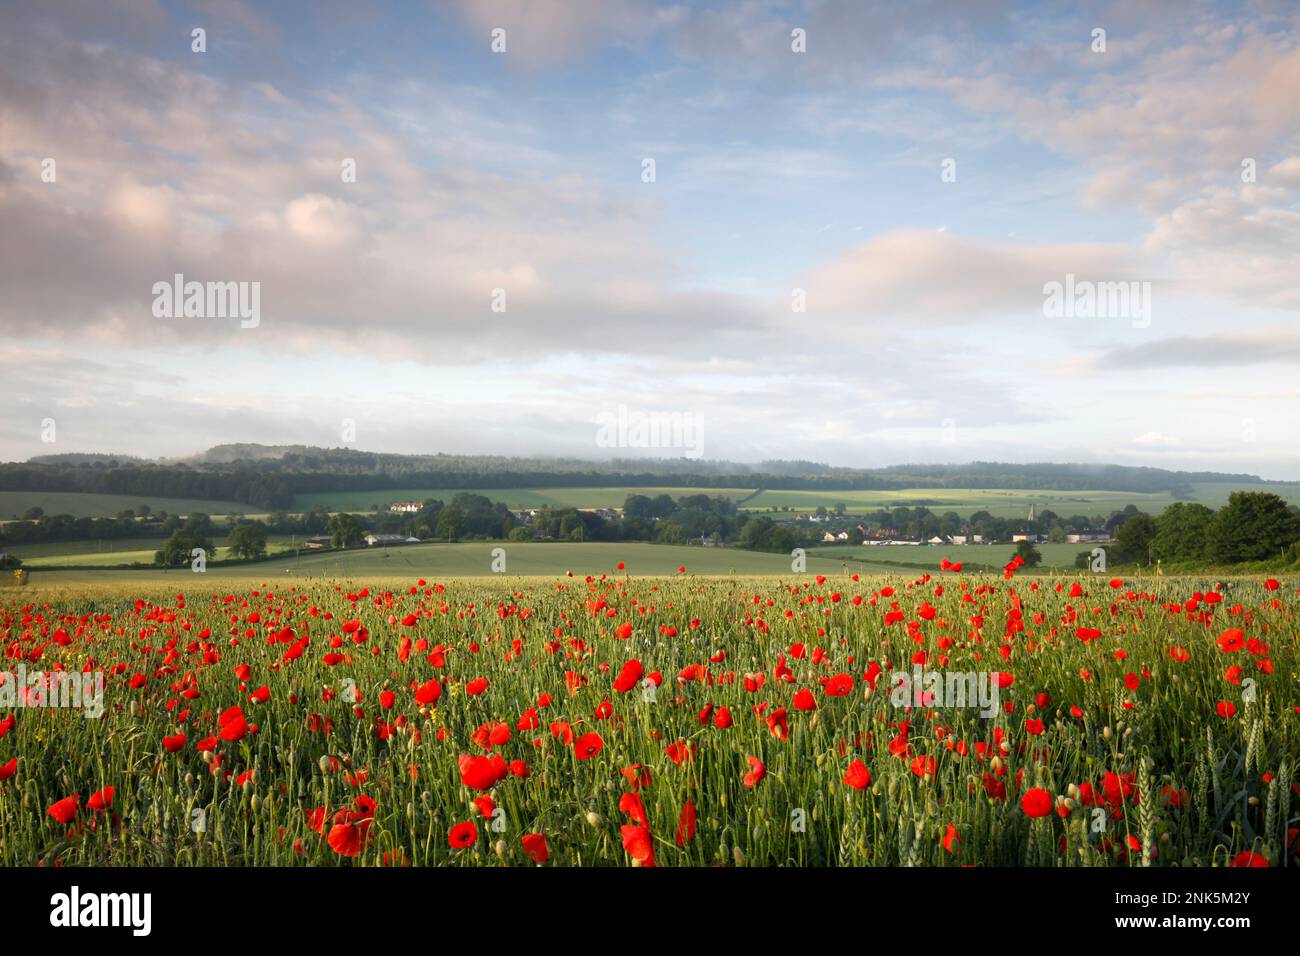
(471, 559)
(14, 504)
(114, 551)
(679, 721)
(992, 556)
(999, 502)
(516, 498)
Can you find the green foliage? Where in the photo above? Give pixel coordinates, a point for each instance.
(345, 530)
(451, 524)
(180, 546)
(1252, 526)
(247, 541)
(1135, 537)
(1028, 553)
(1182, 532)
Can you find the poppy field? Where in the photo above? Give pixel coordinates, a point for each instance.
(606, 720)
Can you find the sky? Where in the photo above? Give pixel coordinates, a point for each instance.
(836, 231)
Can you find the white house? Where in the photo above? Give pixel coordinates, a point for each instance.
(405, 507)
(374, 539)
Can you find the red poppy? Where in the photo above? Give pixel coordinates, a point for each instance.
(535, 846)
(951, 839)
(66, 809)
(101, 799)
(428, 693)
(348, 838)
(638, 843)
(858, 776)
(686, 824)
(587, 746)
(1036, 802)
(462, 835)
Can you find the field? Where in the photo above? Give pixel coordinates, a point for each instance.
(14, 504)
(112, 551)
(516, 498)
(988, 556)
(1004, 503)
(549, 559)
(682, 720)
(998, 502)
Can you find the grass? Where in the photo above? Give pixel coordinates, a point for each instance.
(991, 556)
(1007, 503)
(111, 552)
(470, 559)
(14, 504)
(285, 748)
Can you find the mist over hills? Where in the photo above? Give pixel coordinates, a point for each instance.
(270, 476)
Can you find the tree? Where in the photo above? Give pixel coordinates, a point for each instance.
(247, 541)
(179, 547)
(1028, 553)
(1182, 532)
(451, 524)
(638, 506)
(1252, 526)
(344, 530)
(1135, 536)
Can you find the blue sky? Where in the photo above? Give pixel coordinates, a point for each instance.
(924, 336)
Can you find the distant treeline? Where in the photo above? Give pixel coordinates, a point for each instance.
(272, 483)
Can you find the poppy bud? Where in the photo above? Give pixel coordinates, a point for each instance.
(1105, 732)
(324, 764)
(255, 803)
(738, 856)
(500, 848)
(593, 818)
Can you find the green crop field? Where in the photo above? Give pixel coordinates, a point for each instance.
(115, 551)
(1005, 503)
(1000, 502)
(517, 498)
(992, 556)
(638, 721)
(475, 559)
(14, 504)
